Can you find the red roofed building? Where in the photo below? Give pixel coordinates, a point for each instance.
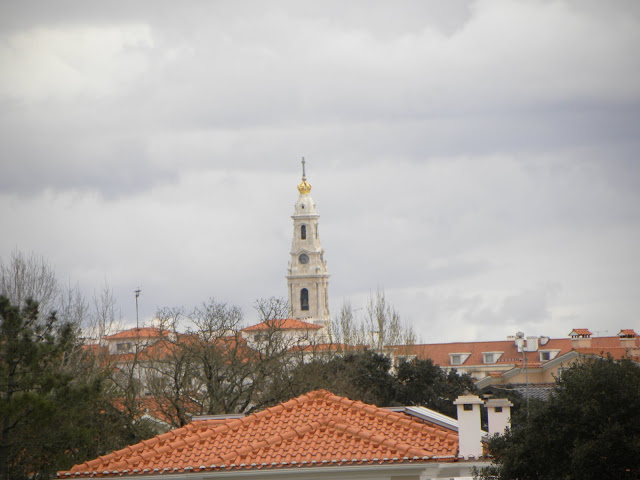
(317, 435)
(127, 341)
(290, 333)
(520, 361)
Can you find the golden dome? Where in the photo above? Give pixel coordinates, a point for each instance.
(304, 187)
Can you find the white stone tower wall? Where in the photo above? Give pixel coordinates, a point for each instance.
(307, 266)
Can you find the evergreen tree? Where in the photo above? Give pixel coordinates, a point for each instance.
(588, 429)
(423, 383)
(52, 411)
(364, 376)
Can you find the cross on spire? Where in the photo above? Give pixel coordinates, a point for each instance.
(304, 176)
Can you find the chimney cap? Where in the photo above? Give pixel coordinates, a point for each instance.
(468, 400)
(498, 402)
(627, 333)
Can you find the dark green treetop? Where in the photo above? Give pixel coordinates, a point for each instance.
(588, 429)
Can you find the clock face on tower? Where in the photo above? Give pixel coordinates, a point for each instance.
(303, 258)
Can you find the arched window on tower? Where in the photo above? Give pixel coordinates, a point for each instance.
(304, 299)
(303, 232)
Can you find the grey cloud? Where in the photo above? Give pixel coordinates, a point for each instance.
(526, 308)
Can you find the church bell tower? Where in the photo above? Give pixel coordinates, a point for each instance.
(307, 279)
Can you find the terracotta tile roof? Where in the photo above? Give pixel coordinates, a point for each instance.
(94, 348)
(439, 353)
(144, 332)
(617, 353)
(282, 324)
(315, 429)
(327, 347)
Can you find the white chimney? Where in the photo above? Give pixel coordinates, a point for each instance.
(469, 428)
(499, 415)
(519, 341)
(532, 344)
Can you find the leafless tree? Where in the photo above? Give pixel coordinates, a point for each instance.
(272, 308)
(384, 323)
(105, 317)
(72, 306)
(345, 329)
(224, 360)
(29, 276)
(171, 376)
(381, 327)
(215, 367)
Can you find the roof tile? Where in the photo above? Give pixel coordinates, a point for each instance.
(282, 324)
(342, 432)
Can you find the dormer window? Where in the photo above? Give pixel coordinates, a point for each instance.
(458, 358)
(546, 355)
(491, 357)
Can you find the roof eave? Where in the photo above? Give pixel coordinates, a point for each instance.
(444, 467)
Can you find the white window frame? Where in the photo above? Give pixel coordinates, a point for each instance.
(551, 353)
(495, 356)
(462, 356)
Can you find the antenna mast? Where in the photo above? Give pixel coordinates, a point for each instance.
(137, 292)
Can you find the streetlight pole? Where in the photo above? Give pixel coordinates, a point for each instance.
(137, 292)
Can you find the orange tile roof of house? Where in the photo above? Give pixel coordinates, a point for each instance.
(282, 324)
(440, 353)
(315, 429)
(162, 350)
(327, 347)
(143, 332)
(617, 353)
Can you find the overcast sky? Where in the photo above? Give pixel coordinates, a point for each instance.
(478, 160)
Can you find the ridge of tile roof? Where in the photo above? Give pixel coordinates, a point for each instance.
(318, 428)
(282, 324)
(617, 353)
